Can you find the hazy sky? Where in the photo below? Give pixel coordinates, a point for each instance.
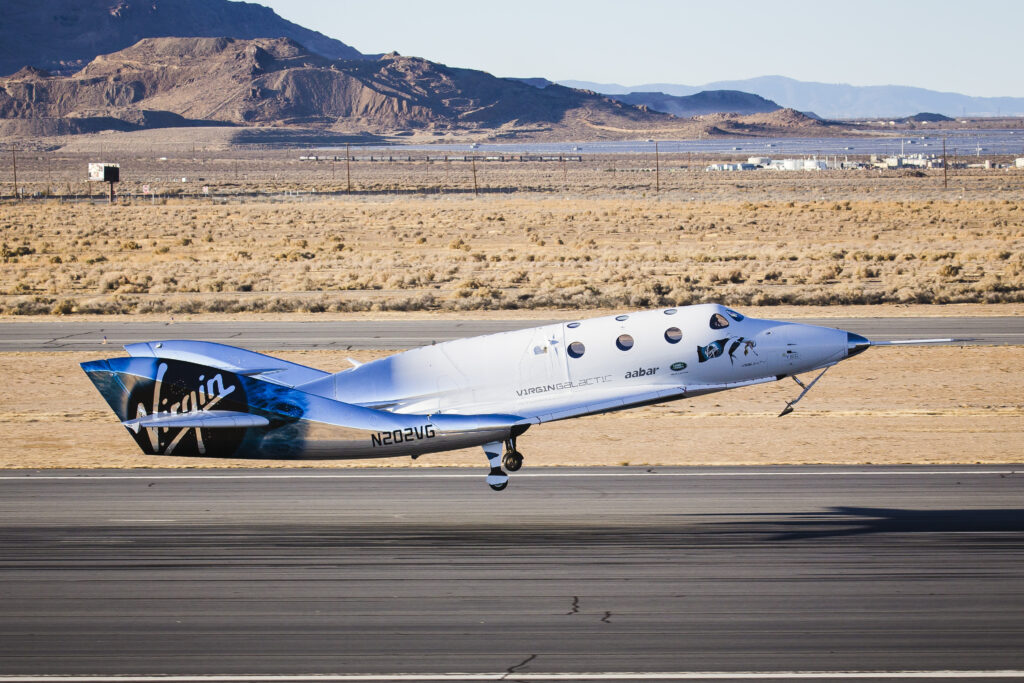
(972, 47)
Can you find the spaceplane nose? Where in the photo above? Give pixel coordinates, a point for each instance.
(855, 344)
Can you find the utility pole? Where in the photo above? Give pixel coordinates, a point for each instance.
(945, 167)
(476, 190)
(348, 169)
(657, 170)
(14, 163)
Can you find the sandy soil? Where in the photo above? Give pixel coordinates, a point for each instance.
(889, 406)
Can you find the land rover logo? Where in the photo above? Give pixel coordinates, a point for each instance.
(678, 366)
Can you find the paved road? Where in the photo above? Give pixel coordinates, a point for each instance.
(52, 335)
(615, 570)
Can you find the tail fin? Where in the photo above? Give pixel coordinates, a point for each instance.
(177, 407)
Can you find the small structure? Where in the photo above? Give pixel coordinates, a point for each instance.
(731, 167)
(1019, 162)
(105, 173)
(798, 165)
(907, 160)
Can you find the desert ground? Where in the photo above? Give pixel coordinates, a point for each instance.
(277, 237)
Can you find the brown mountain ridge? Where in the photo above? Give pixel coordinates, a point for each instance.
(169, 82)
(181, 81)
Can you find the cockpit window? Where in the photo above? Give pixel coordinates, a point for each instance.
(718, 322)
(734, 315)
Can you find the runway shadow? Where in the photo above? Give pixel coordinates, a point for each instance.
(855, 521)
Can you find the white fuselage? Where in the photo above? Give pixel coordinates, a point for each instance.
(703, 348)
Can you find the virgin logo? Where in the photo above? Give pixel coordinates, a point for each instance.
(205, 396)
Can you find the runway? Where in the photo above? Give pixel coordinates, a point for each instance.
(52, 335)
(399, 572)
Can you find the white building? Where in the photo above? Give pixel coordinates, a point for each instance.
(907, 161)
(798, 165)
(731, 167)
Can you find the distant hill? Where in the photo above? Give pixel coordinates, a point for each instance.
(685, 106)
(926, 117)
(836, 100)
(705, 102)
(161, 82)
(535, 82)
(61, 36)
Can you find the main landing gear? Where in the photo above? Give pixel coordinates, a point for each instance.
(497, 479)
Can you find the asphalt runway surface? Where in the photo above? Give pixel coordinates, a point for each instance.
(391, 573)
(53, 335)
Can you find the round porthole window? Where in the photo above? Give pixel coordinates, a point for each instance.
(620, 318)
(573, 326)
(624, 342)
(575, 349)
(673, 335)
(670, 311)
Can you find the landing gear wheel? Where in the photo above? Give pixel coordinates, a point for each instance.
(512, 460)
(497, 479)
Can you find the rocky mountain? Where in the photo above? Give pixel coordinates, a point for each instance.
(704, 102)
(834, 100)
(187, 81)
(61, 36)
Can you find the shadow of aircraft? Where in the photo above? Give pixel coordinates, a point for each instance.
(855, 521)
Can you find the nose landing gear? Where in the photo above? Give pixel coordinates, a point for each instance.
(806, 387)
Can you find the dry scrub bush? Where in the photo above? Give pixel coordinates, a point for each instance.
(465, 254)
